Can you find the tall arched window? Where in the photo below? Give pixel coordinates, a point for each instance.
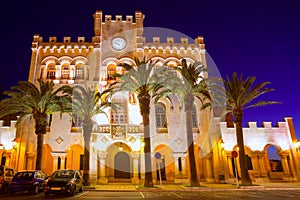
(79, 71)
(160, 116)
(111, 69)
(249, 163)
(65, 71)
(194, 117)
(119, 115)
(51, 71)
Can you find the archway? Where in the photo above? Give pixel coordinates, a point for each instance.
(274, 164)
(122, 165)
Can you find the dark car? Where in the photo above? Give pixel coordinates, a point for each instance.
(6, 176)
(65, 181)
(29, 180)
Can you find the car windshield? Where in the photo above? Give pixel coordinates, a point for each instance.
(63, 174)
(24, 175)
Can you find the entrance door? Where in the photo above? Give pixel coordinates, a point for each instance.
(122, 165)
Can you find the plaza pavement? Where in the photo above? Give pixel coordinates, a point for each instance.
(203, 187)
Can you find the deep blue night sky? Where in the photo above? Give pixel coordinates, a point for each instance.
(256, 38)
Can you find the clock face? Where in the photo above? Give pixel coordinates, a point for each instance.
(118, 43)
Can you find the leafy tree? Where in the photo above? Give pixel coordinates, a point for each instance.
(240, 93)
(87, 102)
(189, 85)
(142, 79)
(30, 101)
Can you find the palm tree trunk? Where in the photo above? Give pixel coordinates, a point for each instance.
(144, 101)
(245, 178)
(147, 152)
(190, 141)
(40, 131)
(87, 130)
(39, 155)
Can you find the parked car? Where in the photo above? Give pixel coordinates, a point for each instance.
(64, 181)
(6, 176)
(28, 180)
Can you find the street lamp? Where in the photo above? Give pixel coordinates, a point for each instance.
(297, 146)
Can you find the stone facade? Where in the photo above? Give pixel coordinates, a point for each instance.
(117, 142)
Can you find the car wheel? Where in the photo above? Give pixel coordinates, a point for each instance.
(81, 188)
(73, 191)
(4, 188)
(36, 189)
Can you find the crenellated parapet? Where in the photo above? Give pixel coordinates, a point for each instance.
(256, 138)
(171, 47)
(66, 46)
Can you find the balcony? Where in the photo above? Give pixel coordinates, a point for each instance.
(118, 130)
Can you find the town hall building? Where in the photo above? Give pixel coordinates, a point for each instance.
(116, 153)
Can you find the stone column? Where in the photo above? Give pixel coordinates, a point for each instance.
(285, 165)
(229, 164)
(209, 171)
(55, 156)
(7, 156)
(256, 165)
(176, 172)
(62, 160)
(262, 164)
(101, 156)
(29, 160)
(135, 156)
(183, 166)
(55, 160)
(180, 176)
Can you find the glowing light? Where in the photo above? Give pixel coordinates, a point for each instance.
(121, 147)
(297, 146)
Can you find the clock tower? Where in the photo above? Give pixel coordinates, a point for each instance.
(118, 36)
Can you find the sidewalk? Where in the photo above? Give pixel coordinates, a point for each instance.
(203, 187)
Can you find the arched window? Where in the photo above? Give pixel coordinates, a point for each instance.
(65, 71)
(111, 69)
(79, 71)
(249, 163)
(194, 117)
(171, 66)
(119, 114)
(51, 71)
(160, 115)
(76, 121)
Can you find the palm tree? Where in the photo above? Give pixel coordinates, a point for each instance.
(30, 101)
(190, 85)
(87, 102)
(240, 94)
(142, 79)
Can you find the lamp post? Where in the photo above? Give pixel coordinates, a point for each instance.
(297, 146)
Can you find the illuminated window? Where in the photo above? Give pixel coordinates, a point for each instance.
(80, 71)
(119, 114)
(51, 71)
(111, 69)
(65, 71)
(77, 121)
(160, 115)
(171, 70)
(194, 117)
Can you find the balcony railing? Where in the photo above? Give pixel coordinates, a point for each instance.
(118, 130)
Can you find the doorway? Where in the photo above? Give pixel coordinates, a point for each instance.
(122, 166)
